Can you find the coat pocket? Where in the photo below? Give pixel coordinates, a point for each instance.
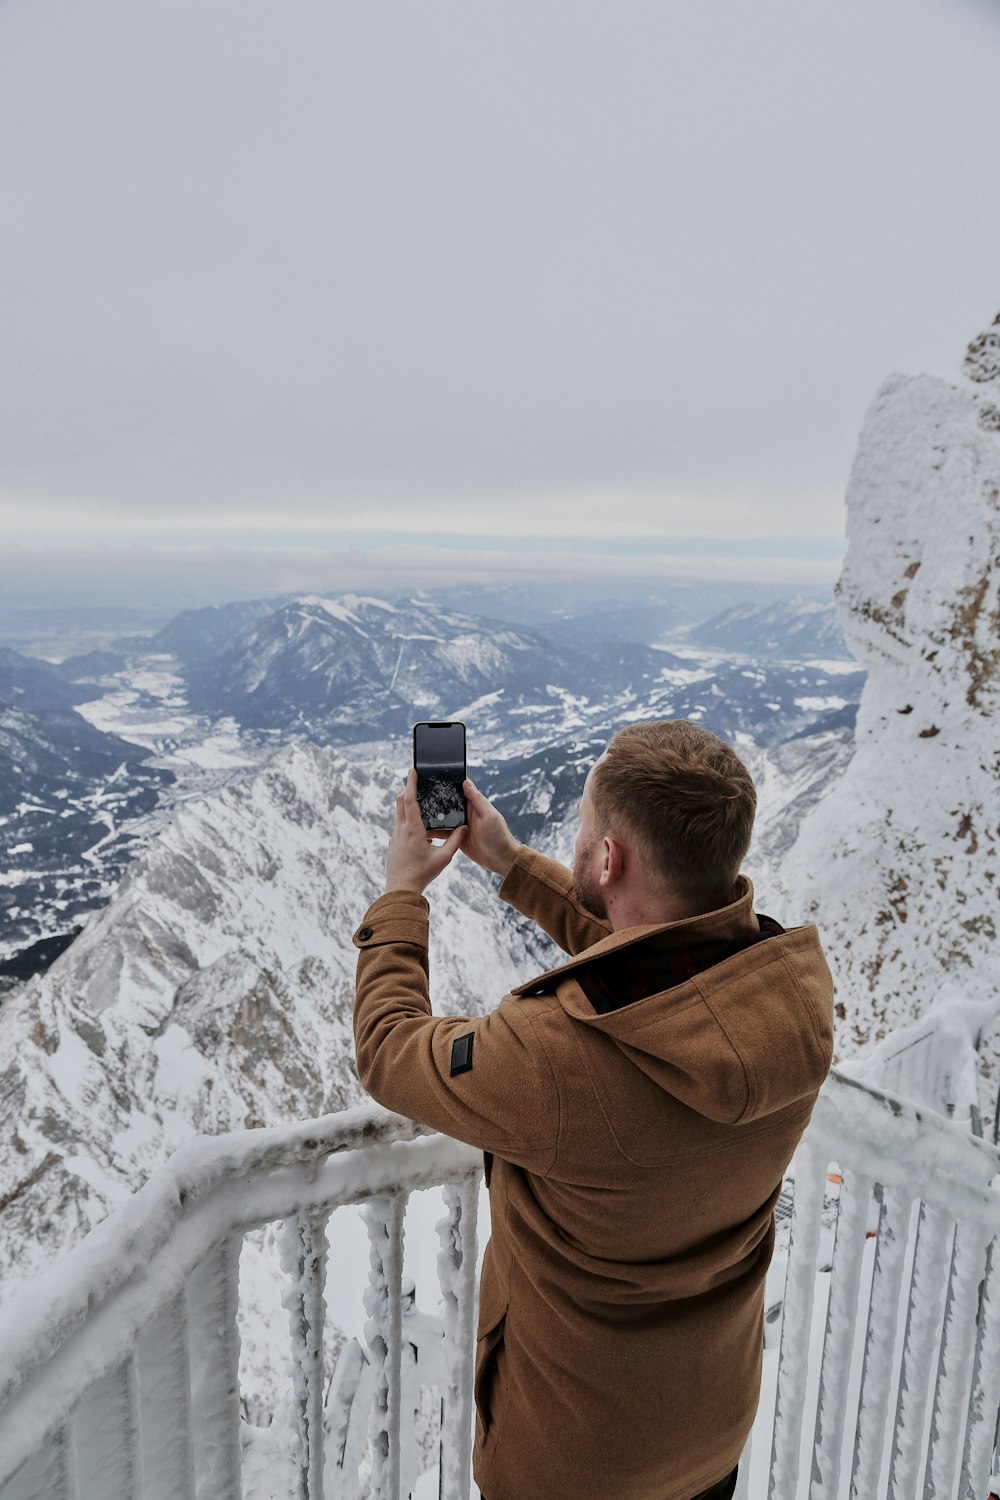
(490, 1395)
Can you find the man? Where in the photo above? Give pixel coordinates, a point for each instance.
(638, 1106)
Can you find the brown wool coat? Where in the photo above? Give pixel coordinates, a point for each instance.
(637, 1159)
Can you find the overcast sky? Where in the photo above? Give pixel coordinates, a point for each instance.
(309, 279)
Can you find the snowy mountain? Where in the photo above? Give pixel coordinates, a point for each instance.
(195, 634)
(91, 666)
(792, 629)
(900, 865)
(25, 681)
(588, 609)
(356, 668)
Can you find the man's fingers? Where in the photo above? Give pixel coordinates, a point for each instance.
(411, 807)
(474, 795)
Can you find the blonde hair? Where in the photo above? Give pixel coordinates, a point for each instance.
(686, 797)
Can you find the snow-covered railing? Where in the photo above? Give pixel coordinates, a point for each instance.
(934, 1060)
(888, 1380)
(119, 1365)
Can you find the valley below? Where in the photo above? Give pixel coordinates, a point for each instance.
(102, 749)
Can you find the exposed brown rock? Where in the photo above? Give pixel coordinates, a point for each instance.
(982, 358)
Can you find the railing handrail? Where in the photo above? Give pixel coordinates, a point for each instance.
(66, 1293)
(43, 1313)
(911, 1146)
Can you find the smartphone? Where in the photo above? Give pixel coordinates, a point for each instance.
(439, 761)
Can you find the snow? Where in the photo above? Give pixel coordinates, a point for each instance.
(837, 666)
(125, 713)
(683, 676)
(485, 700)
(349, 1252)
(818, 705)
(459, 1275)
(221, 750)
(338, 609)
(359, 601)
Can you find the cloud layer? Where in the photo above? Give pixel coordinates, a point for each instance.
(530, 267)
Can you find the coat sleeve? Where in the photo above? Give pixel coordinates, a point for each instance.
(485, 1080)
(542, 889)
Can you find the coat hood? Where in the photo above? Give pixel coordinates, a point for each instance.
(737, 1041)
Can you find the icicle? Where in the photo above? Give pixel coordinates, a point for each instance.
(213, 1298)
(106, 1429)
(165, 1395)
(383, 1217)
(350, 1395)
(457, 1273)
(880, 1342)
(928, 1278)
(302, 1253)
(985, 1397)
(796, 1319)
(955, 1360)
(838, 1338)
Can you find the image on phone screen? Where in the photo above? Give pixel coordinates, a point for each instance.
(439, 760)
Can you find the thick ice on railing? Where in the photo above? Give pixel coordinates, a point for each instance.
(86, 1314)
(201, 1206)
(457, 1273)
(934, 1061)
(868, 1361)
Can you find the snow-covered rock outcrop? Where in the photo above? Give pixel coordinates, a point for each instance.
(900, 863)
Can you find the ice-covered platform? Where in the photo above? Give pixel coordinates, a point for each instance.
(120, 1375)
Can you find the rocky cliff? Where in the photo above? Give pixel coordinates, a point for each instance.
(900, 864)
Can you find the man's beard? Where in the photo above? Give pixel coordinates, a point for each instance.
(585, 888)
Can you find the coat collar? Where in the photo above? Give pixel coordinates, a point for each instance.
(734, 921)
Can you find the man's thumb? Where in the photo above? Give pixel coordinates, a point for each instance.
(454, 840)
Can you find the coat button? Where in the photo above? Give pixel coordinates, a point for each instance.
(364, 934)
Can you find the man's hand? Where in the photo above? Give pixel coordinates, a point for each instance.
(414, 859)
(490, 842)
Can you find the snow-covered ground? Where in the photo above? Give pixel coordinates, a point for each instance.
(148, 706)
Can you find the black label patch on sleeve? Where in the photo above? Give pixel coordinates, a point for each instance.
(461, 1053)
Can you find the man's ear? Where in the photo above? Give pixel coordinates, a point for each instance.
(612, 862)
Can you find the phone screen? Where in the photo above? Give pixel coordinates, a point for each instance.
(439, 759)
